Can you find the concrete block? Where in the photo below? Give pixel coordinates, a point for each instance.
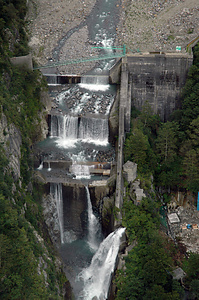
(25, 61)
(130, 171)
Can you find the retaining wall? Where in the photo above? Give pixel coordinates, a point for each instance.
(25, 61)
(158, 78)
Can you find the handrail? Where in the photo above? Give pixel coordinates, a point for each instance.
(193, 41)
(76, 61)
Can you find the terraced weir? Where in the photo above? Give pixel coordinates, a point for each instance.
(76, 157)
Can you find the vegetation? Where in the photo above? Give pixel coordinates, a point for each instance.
(27, 259)
(170, 152)
(149, 263)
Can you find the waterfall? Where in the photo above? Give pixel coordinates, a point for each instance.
(92, 79)
(49, 168)
(87, 106)
(71, 127)
(56, 192)
(94, 228)
(95, 83)
(64, 126)
(97, 277)
(54, 126)
(41, 166)
(94, 130)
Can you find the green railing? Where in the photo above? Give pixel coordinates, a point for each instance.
(188, 48)
(82, 60)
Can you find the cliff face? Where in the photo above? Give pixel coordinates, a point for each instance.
(30, 266)
(10, 137)
(19, 204)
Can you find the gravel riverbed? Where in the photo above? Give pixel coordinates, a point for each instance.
(158, 25)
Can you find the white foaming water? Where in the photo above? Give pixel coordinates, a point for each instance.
(49, 168)
(95, 87)
(94, 228)
(69, 236)
(93, 79)
(69, 132)
(64, 126)
(56, 192)
(41, 166)
(80, 171)
(66, 143)
(70, 127)
(78, 157)
(94, 129)
(79, 106)
(97, 277)
(53, 84)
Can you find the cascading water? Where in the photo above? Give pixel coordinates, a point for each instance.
(56, 192)
(88, 130)
(97, 277)
(64, 126)
(78, 133)
(41, 166)
(95, 83)
(49, 168)
(94, 130)
(94, 228)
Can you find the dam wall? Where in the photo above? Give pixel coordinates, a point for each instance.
(154, 77)
(158, 78)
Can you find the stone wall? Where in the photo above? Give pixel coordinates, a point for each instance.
(158, 78)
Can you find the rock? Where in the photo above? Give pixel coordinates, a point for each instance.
(10, 137)
(130, 170)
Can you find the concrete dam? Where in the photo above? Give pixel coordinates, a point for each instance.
(81, 193)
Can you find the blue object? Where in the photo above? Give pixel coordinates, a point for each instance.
(189, 226)
(198, 202)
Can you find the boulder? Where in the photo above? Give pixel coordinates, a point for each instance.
(130, 171)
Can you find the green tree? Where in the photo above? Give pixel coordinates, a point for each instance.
(191, 170)
(166, 143)
(191, 267)
(137, 149)
(190, 104)
(168, 169)
(193, 133)
(190, 153)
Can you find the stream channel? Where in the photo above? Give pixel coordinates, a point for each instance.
(79, 137)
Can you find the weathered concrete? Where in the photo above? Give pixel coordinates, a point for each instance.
(158, 78)
(154, 77)
(53, 79)
(114, 72)
(121, 136)
(114, 120)
(130, 171)
(62, 79)
(25, 61)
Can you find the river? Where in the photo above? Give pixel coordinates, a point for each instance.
(78, 132)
